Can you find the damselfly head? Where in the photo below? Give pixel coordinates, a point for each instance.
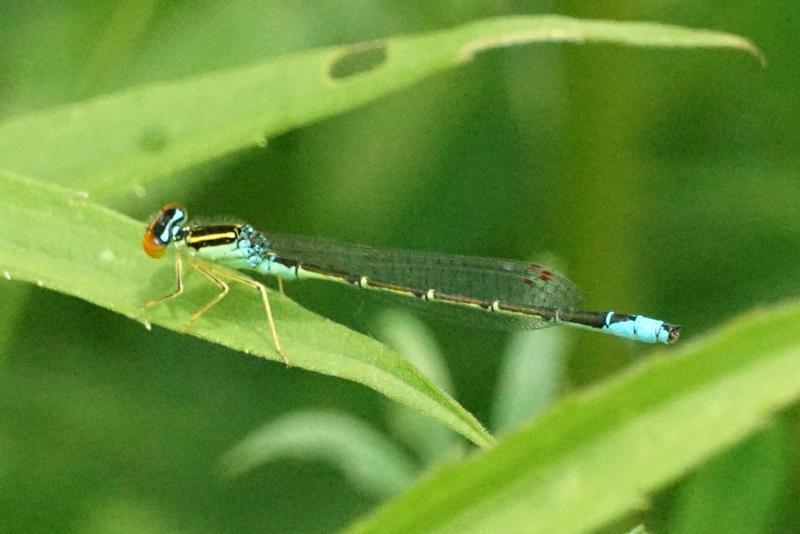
(165, 228)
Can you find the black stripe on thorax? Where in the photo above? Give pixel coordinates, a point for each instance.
(211, 236)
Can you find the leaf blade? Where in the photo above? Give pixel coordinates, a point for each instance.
(60, 241)
(117, 144)
(602, 451)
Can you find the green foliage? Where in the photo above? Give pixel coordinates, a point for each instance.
(163, 133)
(119, 143)
(369, 459)
(602, 451)
(667, 180)
(98, 260)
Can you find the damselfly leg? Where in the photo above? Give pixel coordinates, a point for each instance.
(174, 294)
(262, 289)
(218, 278)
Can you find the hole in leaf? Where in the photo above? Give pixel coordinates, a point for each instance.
(359, 59)
(153, 139)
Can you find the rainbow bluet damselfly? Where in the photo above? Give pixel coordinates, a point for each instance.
(523, 295)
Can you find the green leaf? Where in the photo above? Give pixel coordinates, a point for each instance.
(59, 240)
(369, 460)
(432, 442)
(119, 143)
(530, 378)
(739, 491)
(597, 455)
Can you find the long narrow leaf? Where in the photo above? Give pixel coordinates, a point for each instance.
(597, 455)
(61, 241)
(119, 143)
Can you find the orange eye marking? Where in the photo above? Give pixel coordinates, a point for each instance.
(169, 215)
(153, 246)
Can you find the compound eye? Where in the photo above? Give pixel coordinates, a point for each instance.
(153, 246)
(163, 229)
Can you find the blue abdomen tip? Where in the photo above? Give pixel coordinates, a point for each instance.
(642, 328)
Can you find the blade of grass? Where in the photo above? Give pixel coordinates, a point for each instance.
(741, 488)
(116, 144)
(59, 240)
(370, 460)
(597, 455)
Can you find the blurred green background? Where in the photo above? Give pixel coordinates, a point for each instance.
(664, 181)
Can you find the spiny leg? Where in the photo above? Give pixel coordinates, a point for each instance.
(224, 289)
(178, 290)
(211, 303)
(265, 300)
(280, 286)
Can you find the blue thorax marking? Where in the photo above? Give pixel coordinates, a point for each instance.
(254, 246)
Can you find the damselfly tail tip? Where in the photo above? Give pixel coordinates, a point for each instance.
(673, 333)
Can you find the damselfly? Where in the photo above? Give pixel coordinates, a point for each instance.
(527, 295)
